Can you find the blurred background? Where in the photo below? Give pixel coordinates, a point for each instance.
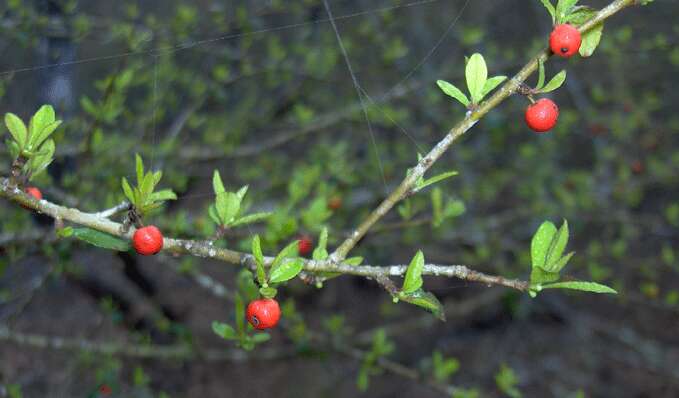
(260, 91)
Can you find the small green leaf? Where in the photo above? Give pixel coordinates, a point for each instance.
(476, 74)
(558, 265)
(287, 270)
(42, 159)
(355, 261)
(241, 192)
(541, 74)
(425, 300)
(217, 183)
(539, 276)
(139, 167)
(261, 337)
(321, 251)
(453, 91)
(289, 251)
(556, 247)
(17, 129)
(259, 260)
(555, 82)
(36, 139)
(250, 218)
(541, 242)
(413, 278)
(433, 180)
(583, 286)
(101, 239)
(228, 205)
(564, 8)
(580, 14)
(491, 84)
(41, 119)
(224, 330)
(212, 212)
(550, 8)
(591, 39)
(163, 195)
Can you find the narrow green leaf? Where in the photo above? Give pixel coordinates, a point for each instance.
(413, 278)
(355, 261)
(541, 74)
(228, 206)
(42, 159)
(550, 8)
(139, 167)
(162, 195)
(540, 243)
(287, 270)
(320, 251)
(212, 212)
(101, 239)
(453, 91)
(224, 330)
(217, 183)
(558, 265)
(250, 218)
(261, 337)
(491, 84)
(289, 251)
(435, 179)
(127, 190)
(156, 178)
(241, 192)
(591, 39)
(425, 300)
(37, 138)
(476, 74)
(555, 82)
(259, 260)
(17, 129)
(146, 187)
(556, 247)
(583, 286)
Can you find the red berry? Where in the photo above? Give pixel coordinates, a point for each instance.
(105, 390)
(263, 313)
(565, 40)
(637, 167)
(304, 246)
(34, 192)
(147, 240)
(541, 116)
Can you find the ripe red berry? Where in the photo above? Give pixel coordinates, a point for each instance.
(637, 167)
(34, 192)
(263, 313)
(105, 390)
(304, 246)
(542, 115)
(147, 240)
(565, 40)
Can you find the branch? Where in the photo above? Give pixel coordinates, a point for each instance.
(473, 116)
(206, 249)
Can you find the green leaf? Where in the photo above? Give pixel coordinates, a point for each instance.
(162, 195)
(556, 248)
(355, 261)
(268, 292)
(217, 183)
(558, 265)
(425, 300)
(580, 14)
(259, 260)
(433, 180)
(583, 286)
(36, 139)
(17, 129)
(555, 82)
(491, 84)
(476, 74)
(591, 39)
(321, 251)
(139, 167)
(101, 239)
(241, 192)
(541, 74)
(413, 278)
(289, 251)
(564, 8)
(550, 8)
(541, 242)
(224, 330)
(287, 270)
(42, 159)
(228, 205)
(539, 276)
(13, 147)
(453, 91)
(250, 218)
(261, 337)
(41, 119)
(212, 212)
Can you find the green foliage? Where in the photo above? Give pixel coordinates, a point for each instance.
(413, 278)
(99, 239)
(142, 196)
(507, 382)
(444, 368)
(381, 346)
(478, 83)
(227, 209)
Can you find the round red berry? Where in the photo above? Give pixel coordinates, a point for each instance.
(263, 313)
(304, 246)
(565, 40)
(147, 240)
(34, 192)
(335, 203)
(542, 115)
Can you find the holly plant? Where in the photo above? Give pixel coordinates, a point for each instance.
(547, 258)
(142, 197)
(478, 83)
(31, 148)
